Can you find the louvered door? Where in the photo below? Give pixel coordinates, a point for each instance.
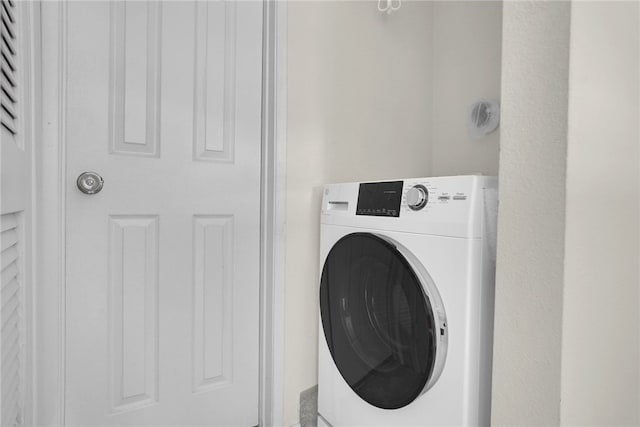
(9, 86)
(15, 215)
(12, 328)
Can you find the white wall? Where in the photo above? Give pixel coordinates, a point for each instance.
(305, 173)
(376, 81)
(361, 88)
(600, 357)
(466, 66)
(529, 276)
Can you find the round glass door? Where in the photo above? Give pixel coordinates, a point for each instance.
(378, 322)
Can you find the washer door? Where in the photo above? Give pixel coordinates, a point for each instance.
(378, 321)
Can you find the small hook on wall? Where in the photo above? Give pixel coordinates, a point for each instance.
(389, 5)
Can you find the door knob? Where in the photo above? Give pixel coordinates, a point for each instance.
(89, 182)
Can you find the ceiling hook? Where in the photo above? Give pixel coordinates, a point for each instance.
(389, 5)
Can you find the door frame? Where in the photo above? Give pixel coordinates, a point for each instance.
(50, 195)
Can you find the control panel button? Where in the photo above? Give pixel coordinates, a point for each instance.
(417, 197)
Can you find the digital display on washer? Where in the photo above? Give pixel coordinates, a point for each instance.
(380, 198)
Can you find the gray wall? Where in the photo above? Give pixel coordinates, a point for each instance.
(529, 276)
(600, 325)
(566, 326)
(467, 39)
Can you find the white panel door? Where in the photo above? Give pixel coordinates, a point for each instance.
(163, 100)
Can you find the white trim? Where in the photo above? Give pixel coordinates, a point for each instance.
(34, 72)
(62, 243)
(273, 215)
(50, 193)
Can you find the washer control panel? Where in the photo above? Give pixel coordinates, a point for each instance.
(427, 194)
(444, 206)
(412, 198)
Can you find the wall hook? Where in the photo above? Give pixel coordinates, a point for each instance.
(389, 5)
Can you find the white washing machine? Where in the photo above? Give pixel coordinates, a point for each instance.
(406, 302)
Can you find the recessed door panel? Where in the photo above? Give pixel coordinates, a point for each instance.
(133, 313)
(134, 103)
(213, 237)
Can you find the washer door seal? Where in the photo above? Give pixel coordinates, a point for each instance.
(381, 327)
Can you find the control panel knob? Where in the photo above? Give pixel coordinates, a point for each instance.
(417, 197)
